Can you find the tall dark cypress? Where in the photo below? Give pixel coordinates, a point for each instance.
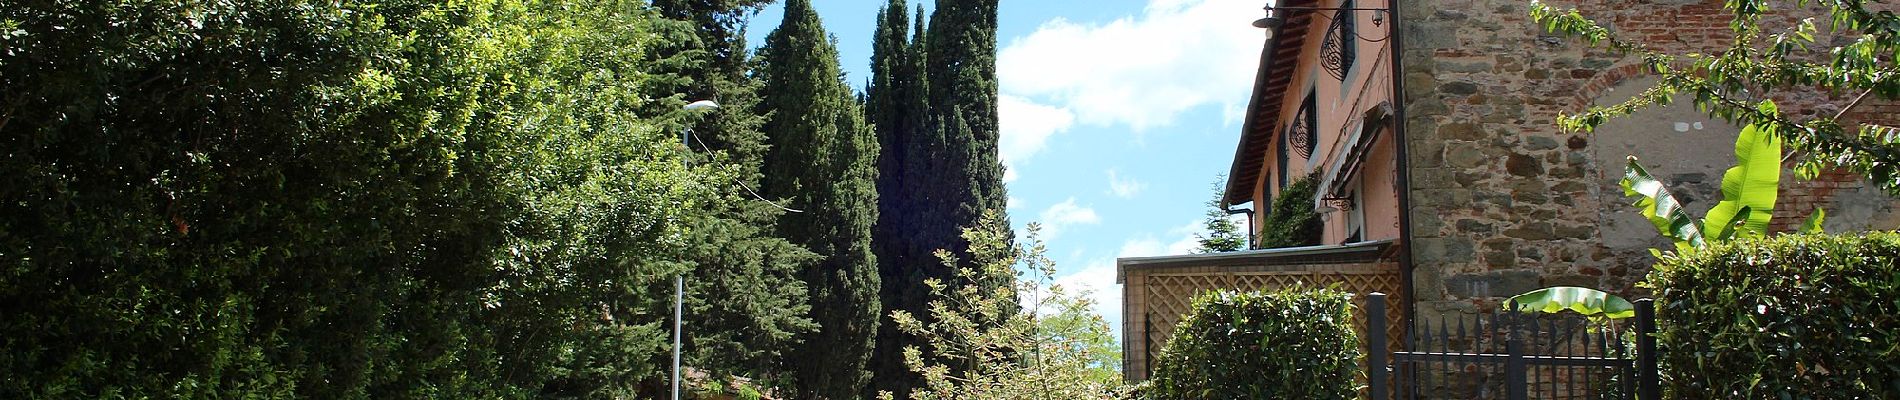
(896, 108)
(934, 102)
(962, 72)
(823, 160)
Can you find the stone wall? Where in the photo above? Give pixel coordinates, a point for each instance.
(1503, 202)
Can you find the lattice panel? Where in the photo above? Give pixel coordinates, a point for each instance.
(1170, 297)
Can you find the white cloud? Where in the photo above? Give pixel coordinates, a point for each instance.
(1026, 127)
(1138, 71)
(1150, 246)
(1065, 214)
(1123, 188)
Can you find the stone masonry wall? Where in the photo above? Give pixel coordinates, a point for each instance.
(1503, 202)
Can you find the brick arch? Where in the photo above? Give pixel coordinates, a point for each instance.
(1602, 82)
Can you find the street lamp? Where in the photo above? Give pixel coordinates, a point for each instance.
(679, 280)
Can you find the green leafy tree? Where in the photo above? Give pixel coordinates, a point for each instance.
(1222, 233)
(998, 352)
(351, 199)
(1293, 221)
(746, 307)
(823, 160)
(1738, 83)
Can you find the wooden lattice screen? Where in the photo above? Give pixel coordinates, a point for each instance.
(1154, 301)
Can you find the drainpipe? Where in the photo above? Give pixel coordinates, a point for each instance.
(1404, 180)
(1251, 239)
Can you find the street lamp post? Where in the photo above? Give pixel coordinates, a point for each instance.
(679, 280)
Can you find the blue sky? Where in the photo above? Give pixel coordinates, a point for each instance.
(1117, 116)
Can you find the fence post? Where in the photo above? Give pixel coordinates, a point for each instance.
(1516, 386)
(1648, 381)
(1376, 346)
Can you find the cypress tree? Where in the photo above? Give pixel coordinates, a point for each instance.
(823, 159)
(896, 107)
(934, 103)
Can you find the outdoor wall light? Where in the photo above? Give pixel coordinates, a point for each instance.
(1275, 21)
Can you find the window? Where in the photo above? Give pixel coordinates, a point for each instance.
(1300, 133)
(1337, 51)
(1280, 144)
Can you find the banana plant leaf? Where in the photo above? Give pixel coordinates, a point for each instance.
(1660, 207)
(1813, 224)
(1748, 188)
(1586, 301)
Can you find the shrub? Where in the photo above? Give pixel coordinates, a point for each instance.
(1791, 317)
(1289, 344)
(1292, 221)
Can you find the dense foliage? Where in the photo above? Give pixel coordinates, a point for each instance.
(932, 99)
(823, 160)
(1221, 233)
(745, 305)
(1292, 220)
(985, 349)
(1296, 343)
(386, 199)
(1762, 61)
(1788, 316)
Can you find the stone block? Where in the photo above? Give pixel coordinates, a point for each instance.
(1535, 230)
(1460, 131)
(1523, 165)
(1575, 231)
(1540, 143)
(1475, 226)
(1458, 88)
(1426, 222)
(1452, 249)
(1465, 156)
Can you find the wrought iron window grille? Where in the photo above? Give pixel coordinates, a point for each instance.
(1299, 135)
(1337, 51)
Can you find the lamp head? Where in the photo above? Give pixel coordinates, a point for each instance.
(701, 105)
(1269, 22)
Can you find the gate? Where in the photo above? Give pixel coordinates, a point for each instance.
(1516, 356)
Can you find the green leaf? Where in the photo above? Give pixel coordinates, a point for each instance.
(1586, 301)
(1662, 209)
(1752, 185)
(1813, 224)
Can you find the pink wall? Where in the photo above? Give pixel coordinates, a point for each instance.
(1339, 107)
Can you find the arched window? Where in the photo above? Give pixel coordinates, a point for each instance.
(1337, 51)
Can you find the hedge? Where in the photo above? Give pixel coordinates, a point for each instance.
(1788, 317)
(1291, 344)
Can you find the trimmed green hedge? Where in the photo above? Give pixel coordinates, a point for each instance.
(1289, 344)
(1789, 317)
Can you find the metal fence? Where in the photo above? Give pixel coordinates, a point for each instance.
(1516, 356)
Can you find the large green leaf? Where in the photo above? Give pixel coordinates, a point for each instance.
(1586, 301)
(1813, 224)
(1660, 207)
(1750, 185)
